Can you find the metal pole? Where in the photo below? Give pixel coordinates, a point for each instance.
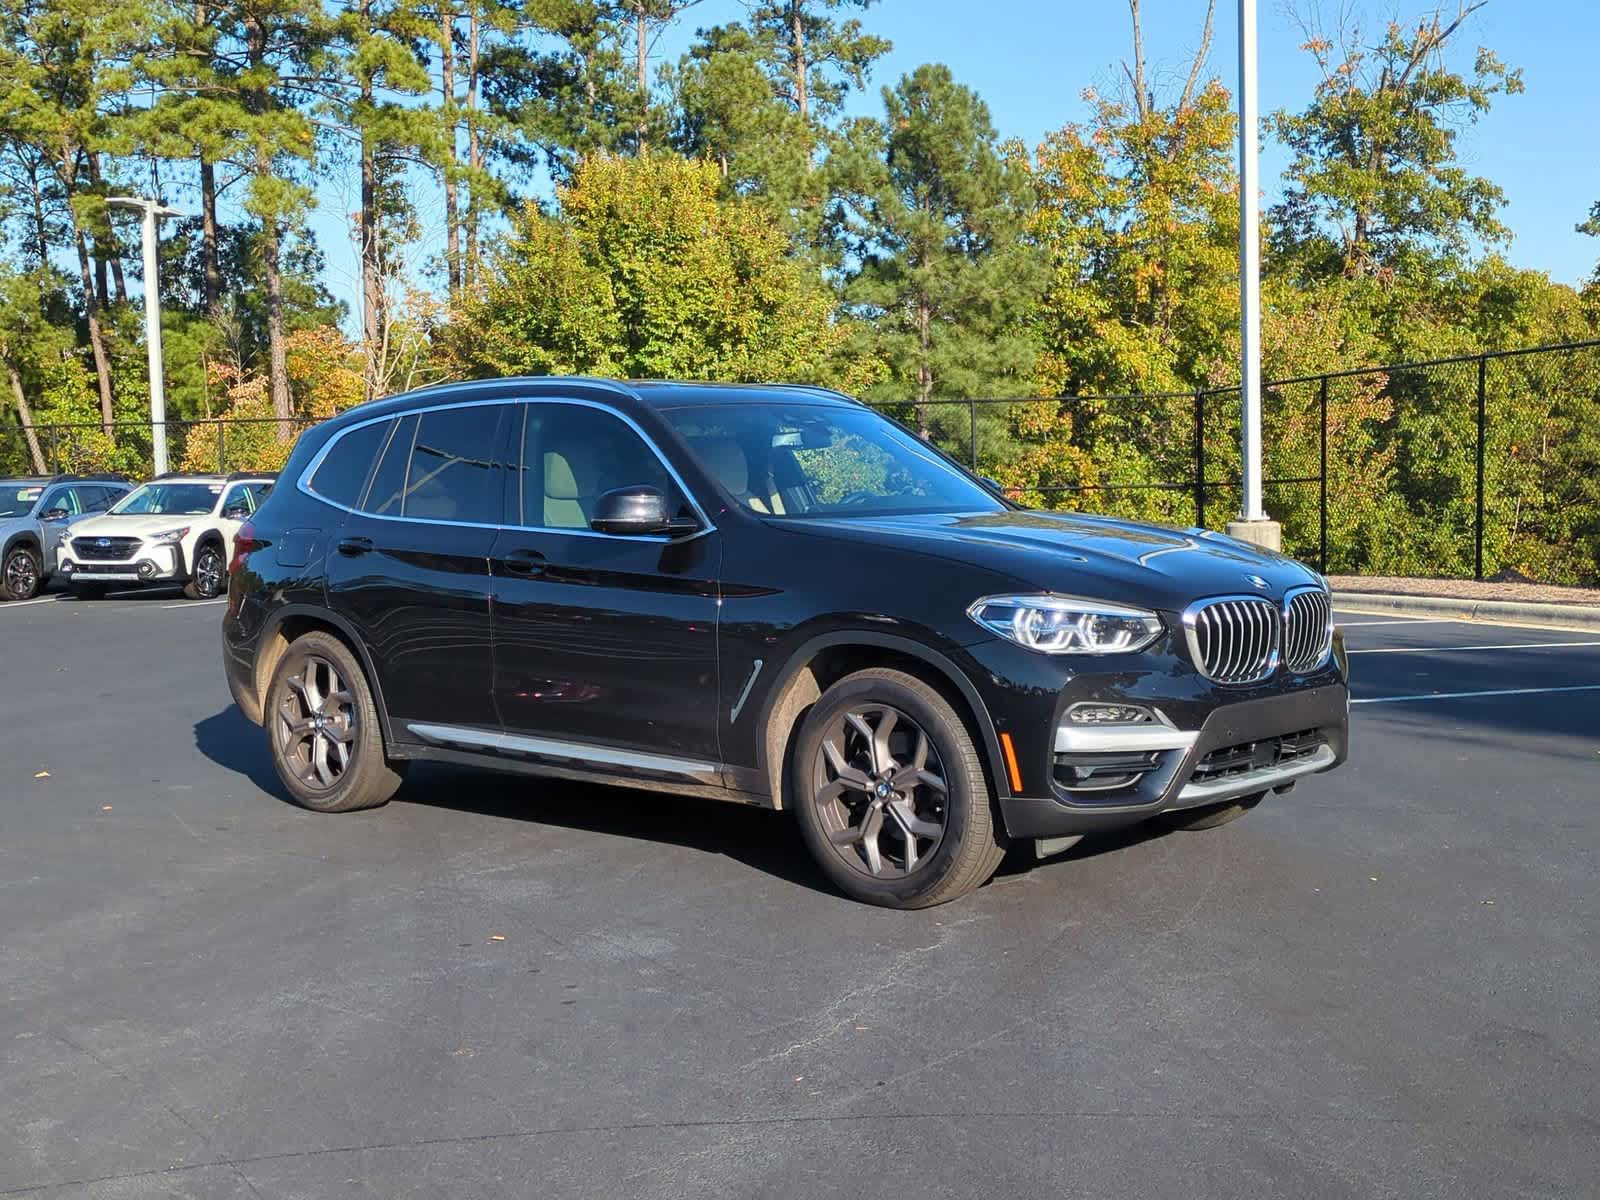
(1477, 540)
(1249, 267)
(1322, 481)
(152, 342)
(1200, 458)
(972, 408)
(152, 211)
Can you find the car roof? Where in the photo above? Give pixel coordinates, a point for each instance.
(654, 393)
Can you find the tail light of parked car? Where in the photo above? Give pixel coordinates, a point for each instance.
(243, 542)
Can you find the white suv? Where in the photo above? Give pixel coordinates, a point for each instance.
(174, 529)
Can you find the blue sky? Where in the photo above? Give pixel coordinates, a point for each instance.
(1030, 60)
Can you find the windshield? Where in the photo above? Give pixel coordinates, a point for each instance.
(188, 499)
(800, 460)
(18, 499)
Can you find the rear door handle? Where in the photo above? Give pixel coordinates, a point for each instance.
(354, 546)
(524, 562)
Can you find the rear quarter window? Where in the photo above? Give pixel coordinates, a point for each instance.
(343, 472)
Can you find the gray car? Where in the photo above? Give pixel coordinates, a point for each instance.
(35, 510)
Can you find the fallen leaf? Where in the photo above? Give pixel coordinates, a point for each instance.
(497, 937)
(41, 774)
(105, 808)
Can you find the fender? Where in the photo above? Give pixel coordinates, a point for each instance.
(45, 569)
(904, 645)
(325, 616)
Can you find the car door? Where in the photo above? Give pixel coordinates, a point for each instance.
(409, 566)
(605, 645)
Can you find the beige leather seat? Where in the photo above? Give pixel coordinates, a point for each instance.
(726, 461)
(563, 496)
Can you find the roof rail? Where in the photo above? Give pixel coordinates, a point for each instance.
(237, 475)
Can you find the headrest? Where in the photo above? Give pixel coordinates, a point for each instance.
(559, 481)
(726, 462)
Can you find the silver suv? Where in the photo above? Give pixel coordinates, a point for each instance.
(35, 511)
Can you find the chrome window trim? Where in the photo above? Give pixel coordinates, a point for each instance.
(303, 482)
(1327, 633)
(1192, 639)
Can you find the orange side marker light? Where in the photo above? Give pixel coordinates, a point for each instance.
(1011, 763)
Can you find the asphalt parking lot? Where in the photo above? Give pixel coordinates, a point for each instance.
(1382, 984)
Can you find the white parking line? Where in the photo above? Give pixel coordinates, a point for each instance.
(25, 603)
(224, 600)
(1447, 649)
(1404, 621)
(1582, 687)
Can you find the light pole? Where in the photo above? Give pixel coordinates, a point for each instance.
(1253, 524)
(153, 210)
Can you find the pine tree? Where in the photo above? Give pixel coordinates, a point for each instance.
(943, 280)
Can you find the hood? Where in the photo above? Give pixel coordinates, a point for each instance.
(133, 525)
(1097, 557)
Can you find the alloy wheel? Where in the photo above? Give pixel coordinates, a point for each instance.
(208, 573)
(880, 791)
(22, 575)
(315, 725)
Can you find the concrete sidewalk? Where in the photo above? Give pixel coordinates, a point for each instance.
(1506, 612)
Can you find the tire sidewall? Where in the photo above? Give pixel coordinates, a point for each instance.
(38, 573)
(195, 589)
(350, 792)
(947, 732)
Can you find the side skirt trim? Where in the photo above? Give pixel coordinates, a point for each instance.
(575, 752)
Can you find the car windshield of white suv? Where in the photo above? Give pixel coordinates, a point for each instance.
(186, 499)
(798, 460)
(18, 501)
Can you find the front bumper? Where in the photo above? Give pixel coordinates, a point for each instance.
(149, 564)
(1210, 743)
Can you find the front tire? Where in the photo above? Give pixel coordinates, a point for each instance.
(891, 794)
(323, 729)
(210, 574)
(21, 575)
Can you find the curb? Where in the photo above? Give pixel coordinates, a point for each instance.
(1505, 612)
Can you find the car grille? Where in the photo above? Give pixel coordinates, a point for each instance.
(1248, 757)
(1235, 641)
(1307, 629)
(117, 549)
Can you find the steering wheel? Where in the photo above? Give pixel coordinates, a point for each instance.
(858, 496)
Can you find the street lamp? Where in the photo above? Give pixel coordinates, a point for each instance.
(152, 210)
(1253, 524)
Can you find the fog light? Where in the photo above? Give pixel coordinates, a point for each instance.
(147, 569)
(68, 567)
(1109, 714)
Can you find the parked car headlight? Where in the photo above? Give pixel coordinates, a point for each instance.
(1066, 624)
(170, 537)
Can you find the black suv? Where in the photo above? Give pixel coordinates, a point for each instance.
(771, 595)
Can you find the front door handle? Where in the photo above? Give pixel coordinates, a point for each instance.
(353, 547)
(524, 562)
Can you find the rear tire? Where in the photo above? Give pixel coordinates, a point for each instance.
(210, 578)
(891, 795)
(323, 729)
(1217, 814)
(21, 576)
(88, 591)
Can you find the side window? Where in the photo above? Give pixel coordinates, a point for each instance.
(66, 498)
(94, 499)
(455, 473)
(238, 495)
(344, 471)
(387, 492)
(572, 454)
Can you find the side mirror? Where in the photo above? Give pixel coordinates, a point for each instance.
(994, 485)
(236, 512)
(632, 511)
(54, 514)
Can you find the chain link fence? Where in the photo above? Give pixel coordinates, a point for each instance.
(1481, 466)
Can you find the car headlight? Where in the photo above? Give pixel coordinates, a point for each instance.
(170, 537)
(1066, 624)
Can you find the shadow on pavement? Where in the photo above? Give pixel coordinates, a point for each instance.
(232, 742)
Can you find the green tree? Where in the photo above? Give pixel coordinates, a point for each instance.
(647, 272)
(941, 278)
(1375, 178)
